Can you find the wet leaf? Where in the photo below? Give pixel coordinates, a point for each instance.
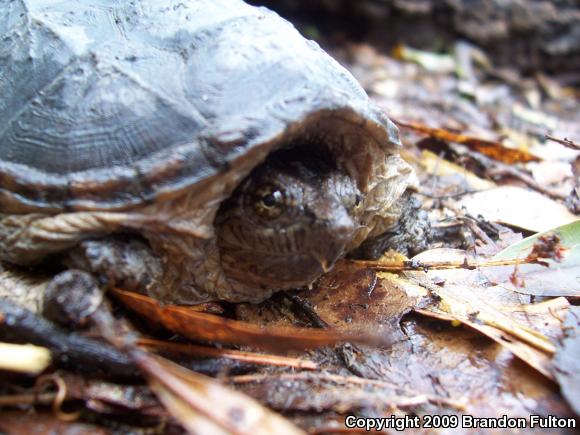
(203, 326)
(518, 207)
(325, 392)
(202, 405)
(530, 355)
(423, 363)
(567, 361)
(493, 149)
(465, 304)
(353, 296)
(561, 278)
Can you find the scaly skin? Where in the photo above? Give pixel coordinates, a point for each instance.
(288, 222)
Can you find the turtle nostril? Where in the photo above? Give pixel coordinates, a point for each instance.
(344, 231)
(343, 227)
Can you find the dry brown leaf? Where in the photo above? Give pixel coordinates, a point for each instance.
(493, 149)
(203, 326)
(202, 405)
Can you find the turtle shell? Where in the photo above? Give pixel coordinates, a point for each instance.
(110, 105)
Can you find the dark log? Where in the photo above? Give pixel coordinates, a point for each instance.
(533, 34)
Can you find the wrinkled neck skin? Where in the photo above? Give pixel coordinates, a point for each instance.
(287, 223)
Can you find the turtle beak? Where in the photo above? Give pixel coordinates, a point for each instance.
(325, 264)
(334, 225)
(339, 235)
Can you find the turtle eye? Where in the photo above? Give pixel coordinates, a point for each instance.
(269, 203)
(272, 199)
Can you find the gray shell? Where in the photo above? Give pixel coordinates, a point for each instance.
(109, 105)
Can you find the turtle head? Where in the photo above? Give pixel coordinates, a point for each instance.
(288, 222)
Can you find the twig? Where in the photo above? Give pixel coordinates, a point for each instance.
(495, 169)
(471, 223)
(566, 142)
(447, 195)
(68, 349)
(437, 265)
(27, 399)
(251, 357)
(24, 358)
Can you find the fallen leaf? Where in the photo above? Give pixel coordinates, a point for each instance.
(518, 207)
(352, 296)
(530, 355)
(550, 172)
(203, 326)
(546, 317)
(425, 360)
(304, 392)
(561, 278)
(566, 361)
(462, 304)
(202, 405)
(495, 150)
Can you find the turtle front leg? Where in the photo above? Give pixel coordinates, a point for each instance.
(128, 262)
(118, 261)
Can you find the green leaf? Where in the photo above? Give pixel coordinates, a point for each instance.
(561, 278)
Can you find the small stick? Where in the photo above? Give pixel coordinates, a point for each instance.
(252, 357)
(438, 265)
(566, 142)
(69, 350)
(494, 168)
(27, 399)
(24, 358)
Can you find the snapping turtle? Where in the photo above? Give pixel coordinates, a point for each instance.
(193, 150)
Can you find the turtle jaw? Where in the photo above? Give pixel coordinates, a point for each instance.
(267, 272)
(335, 235)
(319, 246)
